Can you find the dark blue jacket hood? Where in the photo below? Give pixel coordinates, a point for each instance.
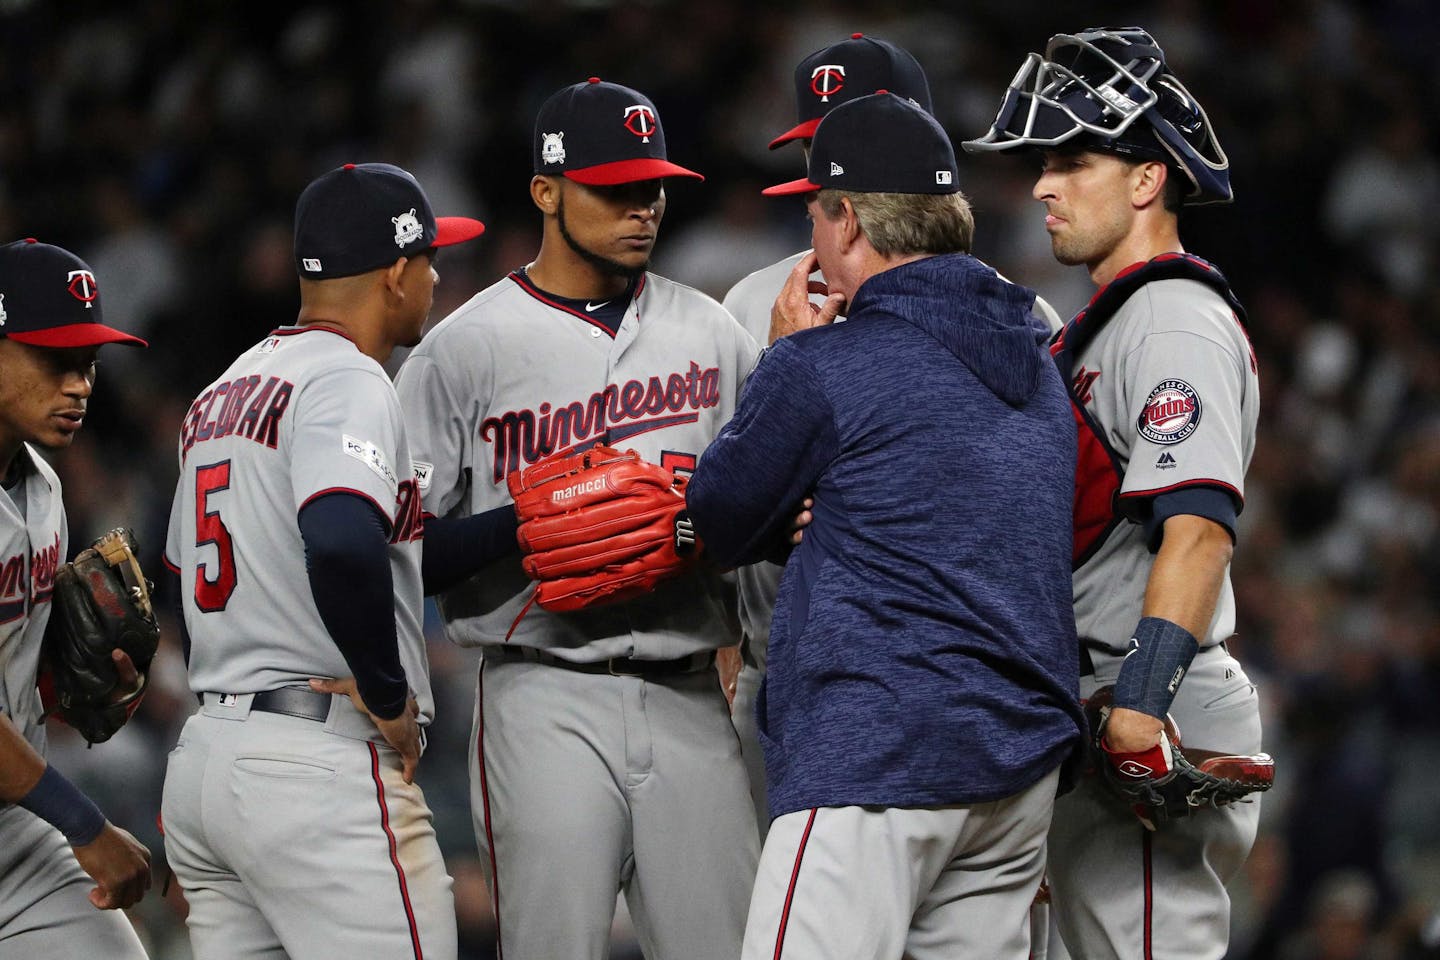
(1002, 345)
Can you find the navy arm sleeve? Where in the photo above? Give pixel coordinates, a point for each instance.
(751, 480)
(348, 562)
(170, 587)
(1212, 503)
(456, 547)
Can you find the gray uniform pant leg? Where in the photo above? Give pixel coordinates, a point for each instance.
(584, 785)
(742, 712)
(45, 910)
(293, 842)
(876, 883)
(1121, 891)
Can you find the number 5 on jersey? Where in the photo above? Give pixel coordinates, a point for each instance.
(212, 594)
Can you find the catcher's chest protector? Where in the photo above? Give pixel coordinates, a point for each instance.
(1098, 470)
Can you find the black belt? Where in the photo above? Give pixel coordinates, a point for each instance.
(291, 701)
(615, 667)
(1087, 664)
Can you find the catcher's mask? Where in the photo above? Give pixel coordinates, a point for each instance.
(1089, 90)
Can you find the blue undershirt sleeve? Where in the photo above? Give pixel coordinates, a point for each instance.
(348, 562)
(1212, 503)
(457, 547)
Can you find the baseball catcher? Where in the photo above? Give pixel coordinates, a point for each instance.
(600, 527)
(1168, 782)
(101, 604)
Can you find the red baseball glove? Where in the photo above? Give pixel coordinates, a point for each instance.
(600, 527)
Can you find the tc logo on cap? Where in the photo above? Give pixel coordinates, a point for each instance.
(3, 317)
(640, 120)
(826, 79)
(82, 287)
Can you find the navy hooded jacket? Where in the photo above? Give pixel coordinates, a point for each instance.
(923, 646)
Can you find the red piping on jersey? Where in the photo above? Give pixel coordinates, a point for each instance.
(394, 852)
(174, 567)
(485, 803)
(389, 524)
(1149, 892)
(794, 877)
(292, 331)
(1220, 484)
(523, 282)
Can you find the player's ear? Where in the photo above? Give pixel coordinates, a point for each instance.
(545, 192)
(849, 224)
(1149, 183)
(392, 277)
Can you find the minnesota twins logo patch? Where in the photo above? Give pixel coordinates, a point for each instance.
(1171, 413)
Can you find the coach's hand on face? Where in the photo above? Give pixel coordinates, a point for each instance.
(120, 866)
(793, 310)
(402, 732)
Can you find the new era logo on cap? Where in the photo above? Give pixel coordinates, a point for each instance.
(602, 134)
(850, 69)
(364, 216)
(854, 149)
(50, 298)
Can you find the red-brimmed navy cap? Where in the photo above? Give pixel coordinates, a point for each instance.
(49, 298)
(852, 68)
(602, 134)
(363, 216)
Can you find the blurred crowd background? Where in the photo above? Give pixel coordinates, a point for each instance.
(166, 144)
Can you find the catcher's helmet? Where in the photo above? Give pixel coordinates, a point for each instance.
(1090, 89)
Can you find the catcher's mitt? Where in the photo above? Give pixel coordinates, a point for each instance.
(101, 602)
(1168, 782)
(600, 527)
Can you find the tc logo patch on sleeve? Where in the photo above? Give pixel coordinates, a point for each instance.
(368, 454)
(1171, 413)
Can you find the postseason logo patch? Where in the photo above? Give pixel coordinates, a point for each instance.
(368, 454)
(1171, 413)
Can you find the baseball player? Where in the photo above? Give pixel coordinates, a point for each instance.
(60, 858)
(1162, 371)
(833, 75)
(291, 817)
(602, 758)
(921, 694)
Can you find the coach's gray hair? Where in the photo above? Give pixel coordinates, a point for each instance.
(901, 224)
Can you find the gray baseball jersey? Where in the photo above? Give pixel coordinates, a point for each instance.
(510, 378)
(749, 301)
(299, 415)
(583, 782)
(45, 909)
(1171, 382)
(288, 822)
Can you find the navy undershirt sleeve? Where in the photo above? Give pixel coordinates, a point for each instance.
(457, 547)
(1212, 503)
(170, 587)
(347, 558)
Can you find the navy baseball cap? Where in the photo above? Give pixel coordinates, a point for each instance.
(49, 298)
(602, 134)
(878, 144)
(367, 215)
(848, 70)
